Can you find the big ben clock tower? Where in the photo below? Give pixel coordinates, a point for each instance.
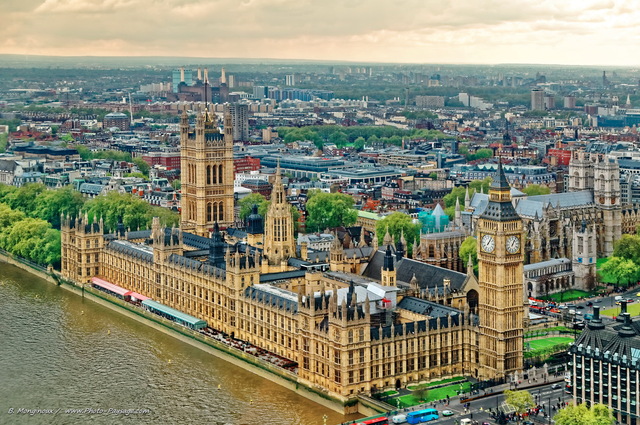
(500, 267)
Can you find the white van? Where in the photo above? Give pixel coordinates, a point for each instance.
(466, 421)
(399, 419)
(619, 298)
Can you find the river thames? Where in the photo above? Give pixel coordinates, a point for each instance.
(75, 360)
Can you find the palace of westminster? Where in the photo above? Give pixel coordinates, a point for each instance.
(368, 318)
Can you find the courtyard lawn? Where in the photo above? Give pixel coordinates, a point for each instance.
(434, 394)
(540, 344)
(436, 383)
(566, 296)
(633, 309)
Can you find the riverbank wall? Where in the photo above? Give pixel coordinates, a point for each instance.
(232, 355)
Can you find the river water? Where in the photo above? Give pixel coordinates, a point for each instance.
(59, 351)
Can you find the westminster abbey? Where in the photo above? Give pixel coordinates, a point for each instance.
(362, 320)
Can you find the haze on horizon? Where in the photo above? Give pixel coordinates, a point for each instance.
(572, 32)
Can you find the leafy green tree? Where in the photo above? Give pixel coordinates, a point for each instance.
(138, 175)
(132, 211)
(8, 216)
(580, 414)
(142, 166)
(51, 203)
(468, 248)
(329, 210)
(33, 239)
(397, 224)
(6, 190)
(176, 184)
(339, 138)
(536, 189)
(359, 143)
(25, 197)
(433, 176)
(4, 140)
(247, 203)
(621, 269)
(628, 247)
(480, 185)
(521, 400)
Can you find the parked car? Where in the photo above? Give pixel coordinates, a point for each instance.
(399, 419)
(447, 413)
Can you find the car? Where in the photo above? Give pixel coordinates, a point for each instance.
(578, 313)
(589, 304)
(563, 307)
(580, 307)
(618, 298)
(638, 294)
(527, 423)
(597, 300)
(556, 386)
(447, 413)
(630, 300)
(399, 419)
(572, 311)
(571, 305)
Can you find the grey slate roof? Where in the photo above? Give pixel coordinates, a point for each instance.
(428, 308)
(273, 296)
(536, 204)
(428, 276)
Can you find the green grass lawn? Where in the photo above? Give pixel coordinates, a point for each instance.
(436, 383)
(435, 394)
(566, 296)
(389, 393)
(633, 309)
(539, 344)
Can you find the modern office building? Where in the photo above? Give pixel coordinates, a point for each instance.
(605, 365)
(537, 100)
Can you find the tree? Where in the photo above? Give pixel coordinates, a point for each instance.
(33, 239)
(247, 203)
(397, 224)
(628, 247)
(142, 166)
(8, 216)
(521, 400)
(358, 144)
(468, 248)
(621, 269)
(176, 184)
(51, 203)
(580, 414)
(536, 189)
(481, 185)
(25, 197)
(329, 210)
(433, 176)
(133, 212)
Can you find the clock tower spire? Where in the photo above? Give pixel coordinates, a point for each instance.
(500, 268)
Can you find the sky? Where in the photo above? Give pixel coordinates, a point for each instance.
(574, 32)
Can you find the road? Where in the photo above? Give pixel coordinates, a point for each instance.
(479, 410)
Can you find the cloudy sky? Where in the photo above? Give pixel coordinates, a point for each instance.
(600, 32)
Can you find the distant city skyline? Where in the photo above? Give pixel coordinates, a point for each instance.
(572, 32)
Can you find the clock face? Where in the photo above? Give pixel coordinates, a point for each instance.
(513, 244)
(487, 243)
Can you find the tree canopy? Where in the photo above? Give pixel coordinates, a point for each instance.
(580, 414)
(521, 400)
(397, 224)
(247, 203)
(329, 210)
(621, 269)
(468, 248)
(536, 189)
(129, 210)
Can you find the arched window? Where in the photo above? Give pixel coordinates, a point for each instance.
(208, 174)
(220, 174)
(209, 210)
(220, 212)
(214, 177)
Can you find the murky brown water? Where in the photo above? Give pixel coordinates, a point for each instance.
(59, 351)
